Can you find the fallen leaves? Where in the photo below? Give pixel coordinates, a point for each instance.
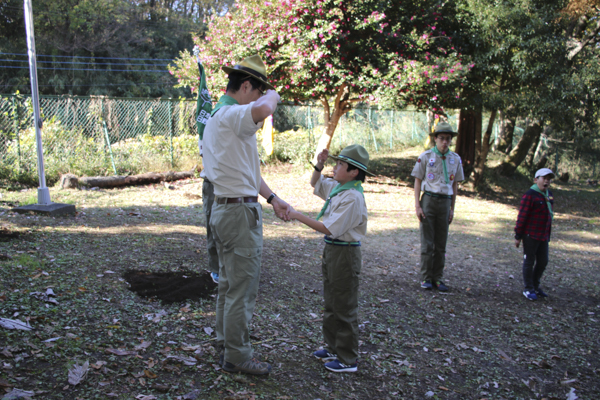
(15, 324)
(120, 352)
(78, 373)
(542, 364)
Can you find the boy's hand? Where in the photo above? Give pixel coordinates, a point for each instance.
(451, 217)
(322, 158)
(517, 243)
(420, 213)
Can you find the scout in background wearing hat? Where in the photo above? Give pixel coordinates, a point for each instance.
(436, 173)
(232, 165)
(344, 225)
(533, 227)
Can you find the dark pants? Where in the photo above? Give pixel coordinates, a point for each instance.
(434, 236)
(535, 259)
(208, 198)
(341, 268)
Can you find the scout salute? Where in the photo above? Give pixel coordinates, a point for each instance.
(344, 225)
(534, 225)
(232, 165)
(436, 173)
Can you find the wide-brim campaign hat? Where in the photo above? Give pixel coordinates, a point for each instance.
(443, 127)
(356, 155)
(252, 66)
(544, 172)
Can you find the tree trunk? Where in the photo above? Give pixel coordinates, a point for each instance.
(505, 135)
(142, 179)
(482, 149)
(517, 155)
(341, 105)
(469, 128)
(429, 142)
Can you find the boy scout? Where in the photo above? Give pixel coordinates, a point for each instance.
(344, 225)
(436, 173)
(232, 165)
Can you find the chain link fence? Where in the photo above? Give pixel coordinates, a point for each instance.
(97, 136)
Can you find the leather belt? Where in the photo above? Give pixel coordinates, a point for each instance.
(442, 196)
(230, 200)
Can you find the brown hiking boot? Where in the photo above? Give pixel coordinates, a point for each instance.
(252, 367)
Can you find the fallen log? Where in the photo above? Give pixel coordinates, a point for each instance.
(70, 181)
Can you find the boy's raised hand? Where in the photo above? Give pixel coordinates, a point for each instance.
(322, 157)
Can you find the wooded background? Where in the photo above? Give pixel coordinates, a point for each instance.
(528, 63)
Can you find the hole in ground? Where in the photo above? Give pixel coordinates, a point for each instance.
(171, 287)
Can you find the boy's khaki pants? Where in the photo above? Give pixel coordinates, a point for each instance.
(434, 235)
(237, 229)
(341, 268)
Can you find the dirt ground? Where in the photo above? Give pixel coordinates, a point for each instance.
(481, 340)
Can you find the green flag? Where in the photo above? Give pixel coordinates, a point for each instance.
(204, 104)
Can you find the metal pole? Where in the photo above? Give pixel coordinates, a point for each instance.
(371, 129)
(43, 192)
(171, 130)
(392, 131)
(17, 122)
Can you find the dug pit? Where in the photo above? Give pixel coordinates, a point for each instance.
(171, 287)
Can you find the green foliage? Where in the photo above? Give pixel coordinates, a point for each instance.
(98, 48)
(293, 147)
(73, 152)
(368, 50)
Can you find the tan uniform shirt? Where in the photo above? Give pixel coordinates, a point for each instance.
(430, 170)
(231, 161)
(346, 214)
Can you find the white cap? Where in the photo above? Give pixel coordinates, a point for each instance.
(544, 172)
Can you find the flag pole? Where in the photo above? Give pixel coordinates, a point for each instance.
(44, 206)
(43, 192)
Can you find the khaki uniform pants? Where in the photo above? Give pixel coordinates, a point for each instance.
(341, 268)
(208, 198)
(434, 235)
(237, 229)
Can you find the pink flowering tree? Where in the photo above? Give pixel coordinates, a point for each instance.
(336, 52)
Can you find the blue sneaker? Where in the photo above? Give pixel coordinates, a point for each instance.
(215, 277)
(427, 284)
(441, 287)
(324, 355)
(530, 295)
(337, 366)
(540, 293)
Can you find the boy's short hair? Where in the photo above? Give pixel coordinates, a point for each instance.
(237, 78)
(361, 174)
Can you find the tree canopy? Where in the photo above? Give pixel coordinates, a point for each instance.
(118, 47)
(336, 52)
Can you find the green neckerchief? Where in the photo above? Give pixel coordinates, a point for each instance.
(443, 157)
(340, 188)
(224, 101)
(547, 197)
(204, 104)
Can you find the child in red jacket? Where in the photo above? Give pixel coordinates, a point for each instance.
(534, 225)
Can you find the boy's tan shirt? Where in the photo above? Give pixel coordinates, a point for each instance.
(346, 215)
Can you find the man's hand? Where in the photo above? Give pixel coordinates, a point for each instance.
(281, 208)
(451, 217)
(420, 213)
(517, 243)
(271, 92)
